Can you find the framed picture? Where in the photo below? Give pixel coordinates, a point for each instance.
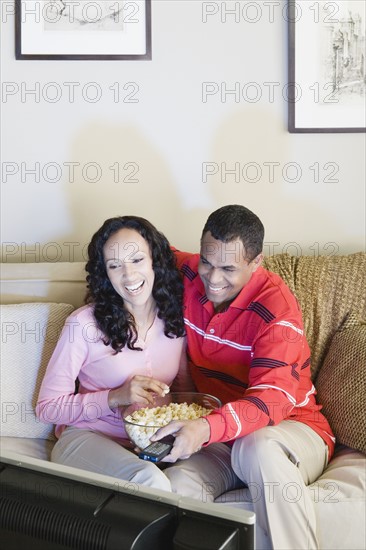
(327, 66)
(83, 29)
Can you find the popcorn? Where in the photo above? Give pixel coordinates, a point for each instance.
(150, 420)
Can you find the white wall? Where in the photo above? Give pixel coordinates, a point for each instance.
(168, 134)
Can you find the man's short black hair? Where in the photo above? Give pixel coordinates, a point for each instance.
(233, 222)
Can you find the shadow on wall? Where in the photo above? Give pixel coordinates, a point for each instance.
(253, 163)
(120, 171)
(131, 178)
(123, 174)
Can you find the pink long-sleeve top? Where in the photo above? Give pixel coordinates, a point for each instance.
(80, 353)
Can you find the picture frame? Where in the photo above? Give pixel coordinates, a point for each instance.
(326, 66)
(83, 30)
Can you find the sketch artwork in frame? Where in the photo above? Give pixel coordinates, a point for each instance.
(83, 29)
(327, 66)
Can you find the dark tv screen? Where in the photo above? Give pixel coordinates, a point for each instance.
(46, 511)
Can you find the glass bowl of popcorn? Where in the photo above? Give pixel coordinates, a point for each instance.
(141, 421)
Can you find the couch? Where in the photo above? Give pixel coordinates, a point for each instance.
(36, 299)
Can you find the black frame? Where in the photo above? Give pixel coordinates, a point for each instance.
(86, 57)
(292, 80)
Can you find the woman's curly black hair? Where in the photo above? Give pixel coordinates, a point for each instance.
(113, 319)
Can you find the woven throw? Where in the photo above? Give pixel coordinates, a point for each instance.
(328, 290)
(341, 385)
(284, 265)
(29, 335)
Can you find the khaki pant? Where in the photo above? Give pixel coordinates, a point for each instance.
(273, 466)
(98, 453)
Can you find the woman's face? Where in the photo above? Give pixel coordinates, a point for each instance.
(129, 267)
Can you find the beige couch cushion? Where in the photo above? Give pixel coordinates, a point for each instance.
(341, 385)
(34, 447)
(29, 335)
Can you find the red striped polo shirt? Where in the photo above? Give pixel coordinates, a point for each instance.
(253, 356)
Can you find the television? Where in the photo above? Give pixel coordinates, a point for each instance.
(46, 506)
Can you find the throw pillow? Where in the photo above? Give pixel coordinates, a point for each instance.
(29, 333)
(341, 385)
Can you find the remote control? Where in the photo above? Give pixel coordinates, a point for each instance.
(157, 450)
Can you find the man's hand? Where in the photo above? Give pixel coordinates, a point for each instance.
(190, 435)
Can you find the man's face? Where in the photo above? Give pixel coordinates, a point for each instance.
(223, 268)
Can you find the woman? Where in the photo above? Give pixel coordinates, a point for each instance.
(125, 345)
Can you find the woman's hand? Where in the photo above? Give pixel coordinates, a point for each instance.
(139, 389)
(189, 435)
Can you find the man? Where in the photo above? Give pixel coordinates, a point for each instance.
(247, 347)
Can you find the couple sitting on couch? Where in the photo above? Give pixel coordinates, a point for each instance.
(245, 343)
